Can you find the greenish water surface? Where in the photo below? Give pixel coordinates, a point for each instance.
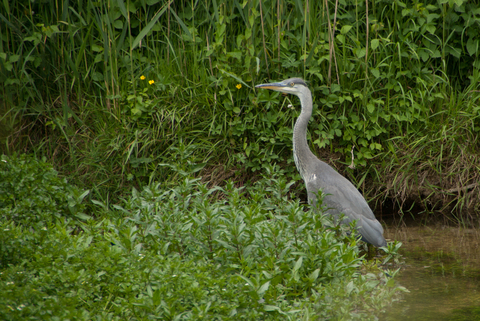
(441, 271)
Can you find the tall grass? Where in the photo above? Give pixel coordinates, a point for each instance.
(382, 80)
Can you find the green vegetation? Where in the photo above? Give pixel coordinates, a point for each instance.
(119, 96)
(189, 252)
(397, 81)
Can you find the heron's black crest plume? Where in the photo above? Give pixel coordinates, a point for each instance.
(296, 81)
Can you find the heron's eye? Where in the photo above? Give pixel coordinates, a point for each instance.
(292, 84)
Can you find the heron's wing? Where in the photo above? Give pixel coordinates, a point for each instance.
(340, 196)
(371, 231)
(339, 193)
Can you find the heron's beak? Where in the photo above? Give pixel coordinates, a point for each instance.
(277, 86)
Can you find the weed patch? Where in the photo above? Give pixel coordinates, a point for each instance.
(188, 252)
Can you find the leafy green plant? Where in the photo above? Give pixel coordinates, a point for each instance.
(31, 192)
(189, 252)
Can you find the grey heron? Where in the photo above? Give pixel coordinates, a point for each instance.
(340, 196)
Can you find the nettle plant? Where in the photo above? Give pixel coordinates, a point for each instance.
(186, 251)
(249, 229)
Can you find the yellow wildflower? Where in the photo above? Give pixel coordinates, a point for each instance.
(151, 82)
(142, 77)
(239, 86)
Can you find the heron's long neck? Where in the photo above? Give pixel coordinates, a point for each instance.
(301, 152)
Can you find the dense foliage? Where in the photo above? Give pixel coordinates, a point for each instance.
(115, 87)
(184, 253)
(29, 193)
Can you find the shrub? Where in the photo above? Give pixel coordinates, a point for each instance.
(32, 192)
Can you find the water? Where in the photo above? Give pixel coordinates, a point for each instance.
(441, 271)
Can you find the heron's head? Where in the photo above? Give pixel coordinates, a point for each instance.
(294, 86)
